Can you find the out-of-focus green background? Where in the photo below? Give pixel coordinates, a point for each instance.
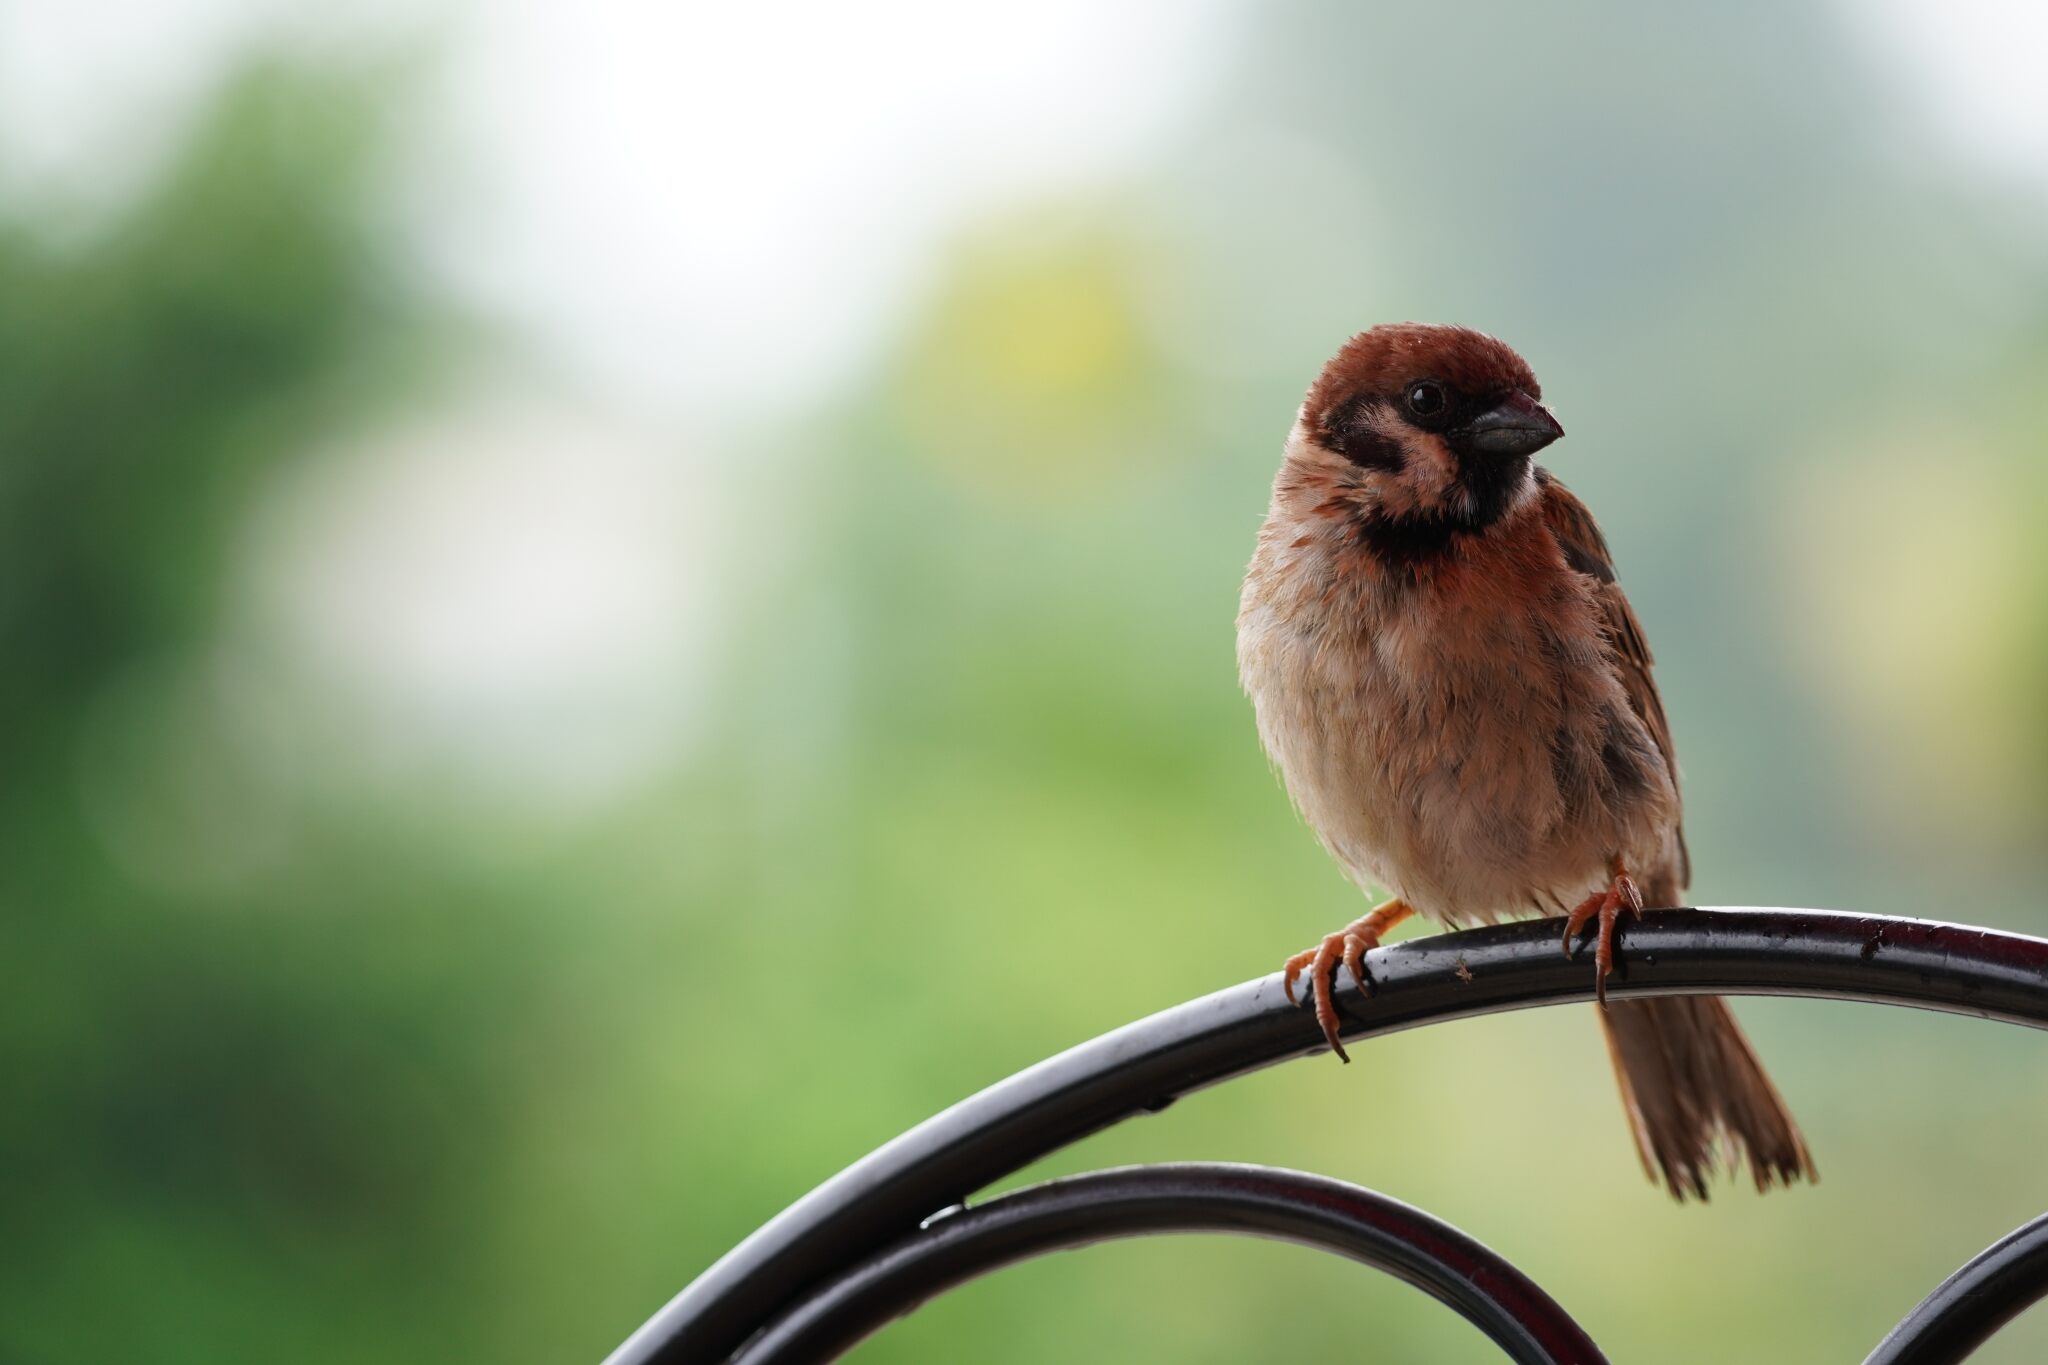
(603, 611)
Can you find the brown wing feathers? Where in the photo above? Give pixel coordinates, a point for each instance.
(1585, 549)
(1687, 1072)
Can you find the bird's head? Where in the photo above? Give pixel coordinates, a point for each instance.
(1440, 424)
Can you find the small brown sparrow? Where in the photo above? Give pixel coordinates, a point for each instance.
(1459, 700)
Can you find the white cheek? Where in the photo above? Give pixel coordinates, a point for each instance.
(1428, 476)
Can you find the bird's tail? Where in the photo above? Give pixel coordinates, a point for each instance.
(1689, 1076)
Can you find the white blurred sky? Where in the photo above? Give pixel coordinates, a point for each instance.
(693, 216)
(688, 206)
(694, 206)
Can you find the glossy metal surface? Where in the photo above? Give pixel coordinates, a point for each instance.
(1144, 1066)
(1139, 1201)
(1999, 1284)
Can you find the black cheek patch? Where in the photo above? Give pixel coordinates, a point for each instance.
(1345, 430)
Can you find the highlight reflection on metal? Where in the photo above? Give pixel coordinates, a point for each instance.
(1144, 1066)
(1138, 1201)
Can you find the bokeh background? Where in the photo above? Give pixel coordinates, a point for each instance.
(605, 606)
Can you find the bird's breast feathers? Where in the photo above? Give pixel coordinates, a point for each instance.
(1454, 730)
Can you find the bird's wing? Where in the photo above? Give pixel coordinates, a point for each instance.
(1585, 549)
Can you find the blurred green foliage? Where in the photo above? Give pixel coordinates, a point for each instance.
(301, 1070)
(236, 1124)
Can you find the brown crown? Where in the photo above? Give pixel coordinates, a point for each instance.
(1387, 359)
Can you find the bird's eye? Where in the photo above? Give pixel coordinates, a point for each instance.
(1425, 399)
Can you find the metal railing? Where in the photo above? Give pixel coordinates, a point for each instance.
(893, 1229)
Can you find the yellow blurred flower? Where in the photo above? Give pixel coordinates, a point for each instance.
(1032, 374)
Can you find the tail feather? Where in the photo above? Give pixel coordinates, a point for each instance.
(1689, 1077)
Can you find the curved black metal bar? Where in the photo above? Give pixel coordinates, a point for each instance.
(2000, 1283)
(1138, 1201)
(1146, 1065)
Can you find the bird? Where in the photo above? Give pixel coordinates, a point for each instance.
(1459, 700)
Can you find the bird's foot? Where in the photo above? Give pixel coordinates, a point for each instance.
(1349, 946)
(1608, 903)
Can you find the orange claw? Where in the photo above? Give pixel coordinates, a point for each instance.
(1349, 946)
(1608, 902)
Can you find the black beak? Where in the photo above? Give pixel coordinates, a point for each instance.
(1519, 425)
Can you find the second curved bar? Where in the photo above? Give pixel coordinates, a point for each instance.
(1136, 1201)
(1963, 1312)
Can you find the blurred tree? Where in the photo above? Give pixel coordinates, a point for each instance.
(216, 1119)
(156, 366)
